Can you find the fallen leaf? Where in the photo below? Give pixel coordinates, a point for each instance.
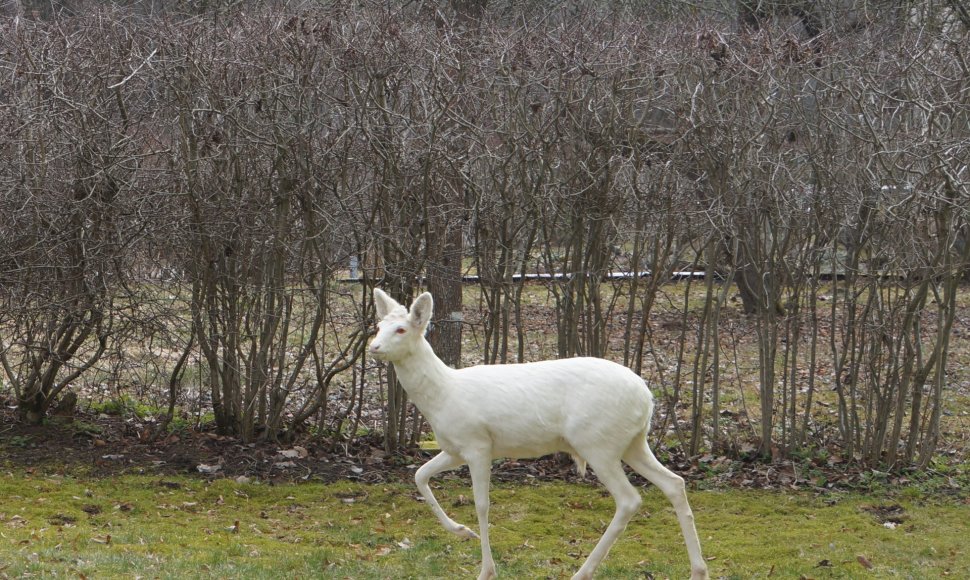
(290, 453)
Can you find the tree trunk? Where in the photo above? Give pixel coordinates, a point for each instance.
(444, 270)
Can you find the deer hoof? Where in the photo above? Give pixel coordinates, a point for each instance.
(465, 532)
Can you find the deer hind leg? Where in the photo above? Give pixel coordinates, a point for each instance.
(628, 501)
(441, 462)
(642, 460)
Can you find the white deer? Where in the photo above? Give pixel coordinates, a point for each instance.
(596, 410)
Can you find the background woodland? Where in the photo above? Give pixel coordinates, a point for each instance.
(196, 199)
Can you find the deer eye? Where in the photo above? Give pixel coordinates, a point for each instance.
(401, 330)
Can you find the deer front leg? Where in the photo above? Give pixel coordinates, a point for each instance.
(441, 462)
(481, 472)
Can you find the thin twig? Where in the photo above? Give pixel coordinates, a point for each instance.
(134, 72)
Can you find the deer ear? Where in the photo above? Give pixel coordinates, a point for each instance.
(421, 310)
(383, 303)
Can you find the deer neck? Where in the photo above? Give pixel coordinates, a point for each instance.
(425, 377)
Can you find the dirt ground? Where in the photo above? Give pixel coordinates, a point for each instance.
(108, 445)
(104, 445)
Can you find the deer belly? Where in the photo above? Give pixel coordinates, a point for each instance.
(519, 448)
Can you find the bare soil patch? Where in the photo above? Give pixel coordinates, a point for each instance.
(104, 446)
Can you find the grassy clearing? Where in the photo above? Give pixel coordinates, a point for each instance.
(177, 527)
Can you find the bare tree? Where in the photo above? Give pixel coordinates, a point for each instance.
(73, 191)
(189, 192)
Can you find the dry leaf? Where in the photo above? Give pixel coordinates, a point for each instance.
(296, 453)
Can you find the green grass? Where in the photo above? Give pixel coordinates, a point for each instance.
(177, 527)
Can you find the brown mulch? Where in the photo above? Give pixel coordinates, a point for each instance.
(106, 445)
(102, 445)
